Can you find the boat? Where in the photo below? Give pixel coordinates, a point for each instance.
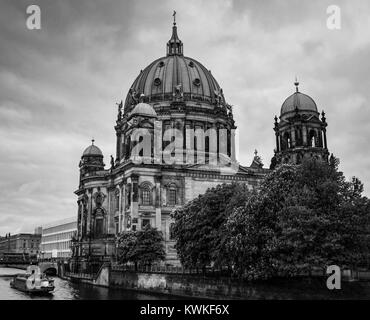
(33, 281)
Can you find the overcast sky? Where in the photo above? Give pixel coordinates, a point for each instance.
(59, 85)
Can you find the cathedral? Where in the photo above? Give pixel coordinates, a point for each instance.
(178, 94)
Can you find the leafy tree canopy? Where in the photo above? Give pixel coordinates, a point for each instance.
(199, 227)
(141, 247)
(304, 216)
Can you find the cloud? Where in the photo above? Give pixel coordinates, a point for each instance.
(59, 85)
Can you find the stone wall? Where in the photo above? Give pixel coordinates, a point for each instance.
(181, 285)
(197, 286)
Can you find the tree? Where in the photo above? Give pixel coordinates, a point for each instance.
(141, 247)
(127, 242)
(246, 240)
(304, 216)
(199, 227)
(149, 246)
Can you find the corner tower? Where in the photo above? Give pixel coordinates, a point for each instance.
(299, 131)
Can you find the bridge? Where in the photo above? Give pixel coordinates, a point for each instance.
(50, 267)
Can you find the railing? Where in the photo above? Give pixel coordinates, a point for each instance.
(210, 272)
(169, 269)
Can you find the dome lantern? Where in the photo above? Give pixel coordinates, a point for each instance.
(174, 45)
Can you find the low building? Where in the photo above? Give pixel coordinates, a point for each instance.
(56, 238)
(24, 243)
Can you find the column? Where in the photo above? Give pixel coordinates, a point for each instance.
(304, 133)
(135, 197)
(157, 152)
(110, 213)
(158, 203)
(79, 219)
(123, 207)
(317, 138)
(292, 131)
(189, 144)
(118, 145)
(277, 141)
(325, 142)
(233, 151)
(89, 211)
(119, 208)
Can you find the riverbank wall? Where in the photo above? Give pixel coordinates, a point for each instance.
(206, 287)
(187, 286)
(101, 279)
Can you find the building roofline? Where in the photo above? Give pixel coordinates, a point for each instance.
(59, 222)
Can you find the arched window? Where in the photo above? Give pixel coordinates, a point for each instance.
(128, 195)
(298, 137)
(287, 141)
(172, 195)
(320, 139)
(99, 222)
(128, 147)
(312, 136)
(145, 197)
(206, 148)
(99, 227)
(146, 194)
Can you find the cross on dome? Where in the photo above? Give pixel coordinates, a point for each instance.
(296, 83)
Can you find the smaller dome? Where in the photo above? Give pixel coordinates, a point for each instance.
(92, 151)
(143, 109)
(300, 101)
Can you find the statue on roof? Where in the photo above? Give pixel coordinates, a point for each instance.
(111, 162)
(257, 160)
(133, 95)
(218, 95)
(120, 105)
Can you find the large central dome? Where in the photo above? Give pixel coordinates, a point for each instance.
(175, 75)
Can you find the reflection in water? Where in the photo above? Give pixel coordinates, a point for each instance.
(65, 290)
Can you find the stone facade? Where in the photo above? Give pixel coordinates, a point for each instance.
(173, 93)
(174, 123)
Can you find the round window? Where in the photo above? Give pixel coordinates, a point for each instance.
(196, 82)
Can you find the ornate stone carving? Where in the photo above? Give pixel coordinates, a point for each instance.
(178, 94)
(99, 198)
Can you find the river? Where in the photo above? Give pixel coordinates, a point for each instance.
(65, 290)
